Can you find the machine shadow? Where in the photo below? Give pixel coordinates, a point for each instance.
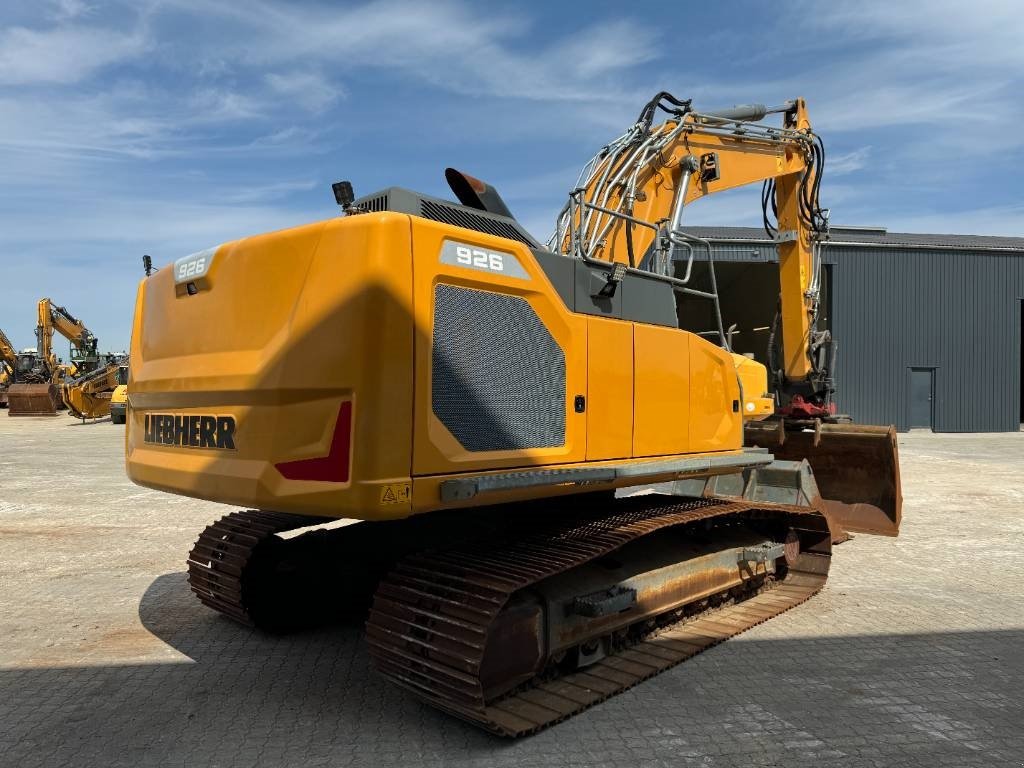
(247, 697)
(314, 680)
(90, 422)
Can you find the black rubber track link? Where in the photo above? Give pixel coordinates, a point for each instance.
(223, 566)
(431, 615)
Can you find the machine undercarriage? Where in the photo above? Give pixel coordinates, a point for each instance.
(524, 617)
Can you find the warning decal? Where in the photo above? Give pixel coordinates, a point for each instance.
(396, 493)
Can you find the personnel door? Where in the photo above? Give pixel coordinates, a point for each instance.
(922, 398)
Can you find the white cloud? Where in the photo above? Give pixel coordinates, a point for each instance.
(989, 35)
(74, 239)
(847, 162)
(607, 48)
(70, 9)
(1005, 220)
(263, 193)
(222, 105)
(62, 54)
(918, 63)
(310, 90)
(454, 46)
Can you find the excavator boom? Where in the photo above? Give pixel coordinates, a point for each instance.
(628, 209)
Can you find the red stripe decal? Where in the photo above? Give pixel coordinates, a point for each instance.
(332, 468)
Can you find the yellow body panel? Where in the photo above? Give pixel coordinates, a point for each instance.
(715, 418)
(436, 451)
(758, 403)
(285, 331)
(288, 326)
(609, 389)
(661, 396)
(119, 395)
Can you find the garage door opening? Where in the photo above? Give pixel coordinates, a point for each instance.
(749, 296)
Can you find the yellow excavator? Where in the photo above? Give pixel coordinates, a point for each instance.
(90, 396)
(8, 365)
(483, 404)
(119, 397)
(38, 392)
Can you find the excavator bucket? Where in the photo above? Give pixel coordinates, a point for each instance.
(855, 466)
(33, 400)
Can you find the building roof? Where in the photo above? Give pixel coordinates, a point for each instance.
(874, 236)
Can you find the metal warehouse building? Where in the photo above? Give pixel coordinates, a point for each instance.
(929, 327)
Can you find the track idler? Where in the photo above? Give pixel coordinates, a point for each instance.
(855, 466)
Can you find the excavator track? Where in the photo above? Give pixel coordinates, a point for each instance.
(224, 561)
(432, 616)
(437, 596)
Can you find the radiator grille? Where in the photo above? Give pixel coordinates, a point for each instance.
(375, 204)
(498, 379)
(460, 218)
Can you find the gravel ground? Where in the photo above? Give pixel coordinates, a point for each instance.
(912, 655)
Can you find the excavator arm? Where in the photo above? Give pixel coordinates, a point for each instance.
(44, 337)
(84, 354)
(8, 354)
(8, 359)
(628, 209)
(88, 397)
(8, 364)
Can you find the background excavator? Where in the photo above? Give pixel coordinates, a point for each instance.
(8, 365)
(476, 399)
(119, 397)
(90, 395)
(38, 391)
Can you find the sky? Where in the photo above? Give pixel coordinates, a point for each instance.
(169, 126)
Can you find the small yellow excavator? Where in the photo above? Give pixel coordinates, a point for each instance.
(90, 396)
(8, 365)
(38, 391)
(477, 399)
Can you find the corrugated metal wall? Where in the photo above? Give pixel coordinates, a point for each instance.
(899, 308)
